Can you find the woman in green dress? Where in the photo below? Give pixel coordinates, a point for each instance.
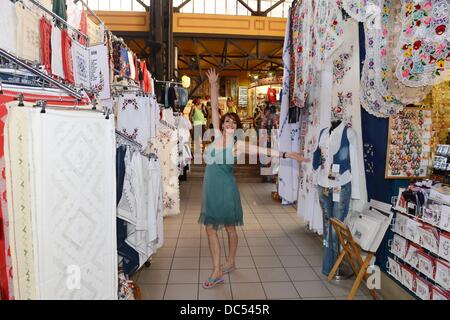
(221, 202)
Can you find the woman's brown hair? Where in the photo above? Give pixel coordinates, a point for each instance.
(233, 116)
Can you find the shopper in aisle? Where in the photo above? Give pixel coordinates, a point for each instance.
(231, 107)
(221, 203)
(198, 116)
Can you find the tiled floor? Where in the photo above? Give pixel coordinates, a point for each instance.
(277, 257)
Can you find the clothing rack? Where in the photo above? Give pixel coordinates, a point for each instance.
(56, 17)
(168, 82)
(135, 144)
(40, 74)
(126, 77)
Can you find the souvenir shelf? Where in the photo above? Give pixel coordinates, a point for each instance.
(441, 162)
(420, 249)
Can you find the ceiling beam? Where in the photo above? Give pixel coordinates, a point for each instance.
(247, 7)
(225, 52)
(147, 8)
(265, 13)
(211, 63)
(208, 52)
(177, 9)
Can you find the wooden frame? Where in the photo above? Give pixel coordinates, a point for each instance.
(352, 252)
(390, 147)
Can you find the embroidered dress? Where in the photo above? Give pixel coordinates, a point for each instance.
(424, 45)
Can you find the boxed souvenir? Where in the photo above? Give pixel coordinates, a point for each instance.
(439, 293)
(399, 246)
(408, 278)
(401, 204)
(426, 264)
(412, 230)
(423, 289)
(441, 193)
(442, 274)
(400, 224)
(412, 256)
(429, 238)
(444, 246)
(444, 221)
(431, 213)
(394, 269)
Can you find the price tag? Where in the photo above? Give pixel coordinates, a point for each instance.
(336, 194)
(411, 205)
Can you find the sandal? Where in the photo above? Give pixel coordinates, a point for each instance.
(228, 269)
(212, 282)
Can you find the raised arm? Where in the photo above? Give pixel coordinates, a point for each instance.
(213, 78)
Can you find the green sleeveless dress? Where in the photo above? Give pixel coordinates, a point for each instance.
(221, 201)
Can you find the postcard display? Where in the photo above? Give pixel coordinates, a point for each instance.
(420, 249)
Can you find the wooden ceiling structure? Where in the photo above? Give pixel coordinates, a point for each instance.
(198, 51)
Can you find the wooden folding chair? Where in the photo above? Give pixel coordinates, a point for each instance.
(352, 252)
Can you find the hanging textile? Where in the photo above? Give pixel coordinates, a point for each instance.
(66, 41)
(83, 26)
(74, 13)
(146, 235)
(57, 59)
(346, 102)
(46, 44)
(99, 70)
(6, 270)
(372, 99)
(424, 44)
(28, 37)
(167, 150)
(19, 204)
(405, 94)
(60, 8)
(337, 77)
(132, 66)
(357, 9)
(81, 65)
(289, 132)
(329, 30)
(154, 116)
(133, 118)
(8, 22)
(95, 32)
(124, 63)
(73, 184)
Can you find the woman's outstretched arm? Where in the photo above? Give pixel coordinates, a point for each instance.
(252, 149)
(213, 78)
